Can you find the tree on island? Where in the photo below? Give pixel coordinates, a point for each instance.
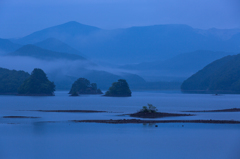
(37, 85)
(83, 86)
(119, 89)
(149, 109)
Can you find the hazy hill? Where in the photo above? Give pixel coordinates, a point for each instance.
(58, 46)
(220, 76)
(11, 80)
(7, 46)
(39, 53)
(137, 44)
(62, 32)
(235, 40)
(224, 34)
(105, 79)
(182, 62)
(182, 65)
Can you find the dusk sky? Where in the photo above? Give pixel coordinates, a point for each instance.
(20, 18)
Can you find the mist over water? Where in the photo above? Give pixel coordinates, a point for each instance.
(66, 67)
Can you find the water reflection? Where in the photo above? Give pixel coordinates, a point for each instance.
(150, 125)
(39, 128)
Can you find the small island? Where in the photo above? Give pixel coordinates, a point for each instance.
(83, 86)
(119, 89)
(151, 112)
(37, 85)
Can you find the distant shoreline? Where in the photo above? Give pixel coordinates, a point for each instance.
(35, 94)
(220, 110)
(138, 121)
(71, 111)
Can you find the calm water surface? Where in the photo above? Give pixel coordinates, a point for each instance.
(35, 138)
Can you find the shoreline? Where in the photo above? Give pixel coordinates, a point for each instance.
(71, 111)
(138, 121)
(35, 94)
(220, 110)
(21, 117)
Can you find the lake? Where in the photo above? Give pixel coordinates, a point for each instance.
(54, 135)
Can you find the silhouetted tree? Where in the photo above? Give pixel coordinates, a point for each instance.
(149, 109)
(11, 80)
(37, 84)
(83, 86)
(119, 89)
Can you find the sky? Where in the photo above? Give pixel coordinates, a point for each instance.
(19, 18)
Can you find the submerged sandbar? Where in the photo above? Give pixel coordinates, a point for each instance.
(220, 110)
(72, 111)
(138, 121)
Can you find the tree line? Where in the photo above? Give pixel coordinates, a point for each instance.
(37, 84)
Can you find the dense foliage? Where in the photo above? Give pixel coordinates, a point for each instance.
(149, 109)
(220, 76)
(83, 86)
(10, 80)
(37, 84)
(119, 89)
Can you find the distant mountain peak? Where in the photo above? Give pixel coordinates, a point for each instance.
(76, 24)
(73, 22)
(62, 32)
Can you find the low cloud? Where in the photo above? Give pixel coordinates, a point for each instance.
(28, 64)
(61, 67)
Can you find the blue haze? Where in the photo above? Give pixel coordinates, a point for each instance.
(141, 30)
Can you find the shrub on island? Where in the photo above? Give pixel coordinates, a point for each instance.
(37, 85)
(149, 109)
(119, 89)
(83, 86)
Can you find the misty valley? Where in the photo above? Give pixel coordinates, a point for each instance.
(158, 91)
(156, 57)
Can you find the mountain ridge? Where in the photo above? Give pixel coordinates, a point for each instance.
(71, 28)
(44, 54)
(137, 44)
